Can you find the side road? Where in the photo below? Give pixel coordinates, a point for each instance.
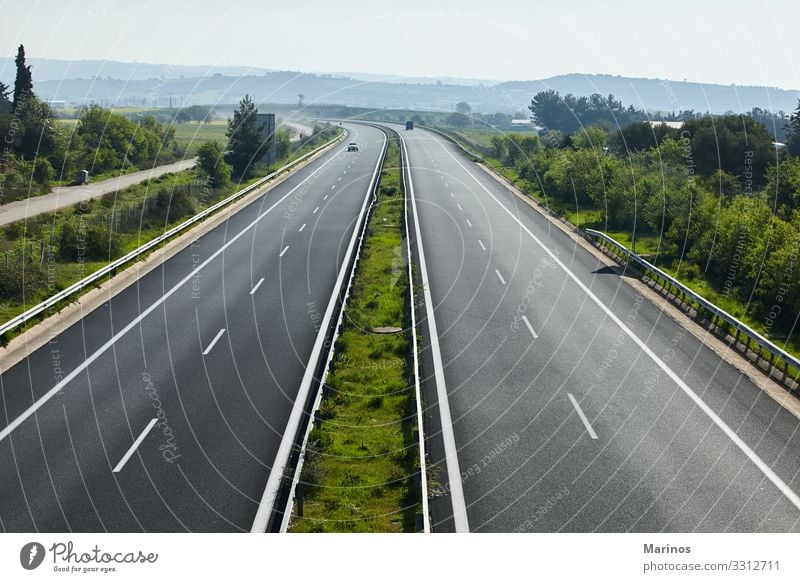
(64, 196)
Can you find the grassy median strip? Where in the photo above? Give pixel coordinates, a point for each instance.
(360, 463)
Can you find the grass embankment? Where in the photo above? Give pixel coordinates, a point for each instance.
(650, 246)
(47, 253)
(357, 475)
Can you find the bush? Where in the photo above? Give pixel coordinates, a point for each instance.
(81, 241)
(172, 205)
(20, 279)
(43, 172)
(213, 165)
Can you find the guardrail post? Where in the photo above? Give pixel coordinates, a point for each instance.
(299, 498)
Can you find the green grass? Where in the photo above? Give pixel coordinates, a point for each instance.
(360, 459)
(480, 136)
(191, 135)
(646, 244)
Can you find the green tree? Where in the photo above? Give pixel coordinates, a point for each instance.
(463, 107)
(639, 136)
(458, 120)
(736, 144)
(210, 158)
(793, 132)
(23, 85)
(497, 147)
(39, 135)
(246, 144)
(783, 185)
(283, 144)
(589, 137)
(5, 103)
(110, 141)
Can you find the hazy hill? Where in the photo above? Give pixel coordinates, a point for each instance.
(57, 69)
(112, 82)
(655, 94)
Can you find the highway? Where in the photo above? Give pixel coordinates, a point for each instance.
(164, 409)
(559, 398)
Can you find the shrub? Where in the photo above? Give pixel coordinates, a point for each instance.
(82, 241)
(20, 279)
(43, 172)
(171, 205)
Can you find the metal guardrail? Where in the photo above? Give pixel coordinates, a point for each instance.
(113, 266)
(455, 141)
(738, 327)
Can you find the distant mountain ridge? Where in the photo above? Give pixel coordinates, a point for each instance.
(58, 69)
(114, 82)
(664, 95)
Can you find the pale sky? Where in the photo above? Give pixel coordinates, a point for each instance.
(746, 42)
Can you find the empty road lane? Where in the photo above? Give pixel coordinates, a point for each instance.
(575, 403)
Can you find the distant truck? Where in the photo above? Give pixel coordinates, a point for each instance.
(409, 125)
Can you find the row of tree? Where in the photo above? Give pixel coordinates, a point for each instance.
(570, 113)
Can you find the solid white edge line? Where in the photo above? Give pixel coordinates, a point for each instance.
(254, 289)
(448, 437)
(721, 424)
(270, 495)
(213, 342)
(530, 327)
(585, 420)
(499, 276)
(102, 349)
(283, 252)
(423, 456)
(134, 446)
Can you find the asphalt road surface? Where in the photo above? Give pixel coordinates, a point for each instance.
(163, 409)
(64, 196)
(574, 403)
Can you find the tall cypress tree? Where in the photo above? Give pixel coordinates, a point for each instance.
(23, 85)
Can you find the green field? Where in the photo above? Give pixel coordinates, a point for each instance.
(192, 135)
